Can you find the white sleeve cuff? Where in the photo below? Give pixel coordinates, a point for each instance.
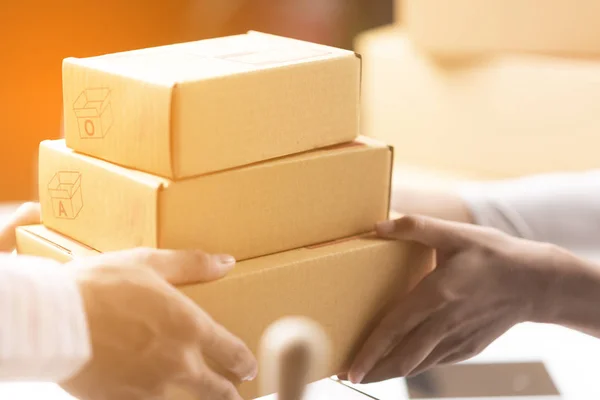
(43, 327)
(559, 208)
(488, 208)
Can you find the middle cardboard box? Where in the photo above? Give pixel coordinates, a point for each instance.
(250, 211)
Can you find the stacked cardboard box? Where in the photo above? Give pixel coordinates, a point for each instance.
(486, 89)
(246, 145)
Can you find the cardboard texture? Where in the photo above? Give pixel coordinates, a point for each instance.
(466, 27)
(344, 286)
(492, 117)
(193, 108)
(290, 202)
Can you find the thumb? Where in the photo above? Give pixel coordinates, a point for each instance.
(177, 267)
(180, 267)
(26, 214)
(432, 232)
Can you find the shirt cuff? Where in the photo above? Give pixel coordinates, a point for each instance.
(485, 202)
(43, 327)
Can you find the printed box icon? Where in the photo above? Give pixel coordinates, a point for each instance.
(94, 113)
(65, 192)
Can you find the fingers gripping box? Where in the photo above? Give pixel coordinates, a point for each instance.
(343, 285)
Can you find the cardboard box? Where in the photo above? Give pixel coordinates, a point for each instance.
(495, 117)
(247, 212)
(343, 285)
(193, 108)
(466, 27)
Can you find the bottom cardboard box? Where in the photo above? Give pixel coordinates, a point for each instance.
(342, 285)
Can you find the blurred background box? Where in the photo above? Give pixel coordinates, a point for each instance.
(37, 35)
(491, 117)
(464, 27)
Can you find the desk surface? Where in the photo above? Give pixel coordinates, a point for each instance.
(573, 360)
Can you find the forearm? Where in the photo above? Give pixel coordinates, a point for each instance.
(561, 208)
(43, 329)
(572, 294)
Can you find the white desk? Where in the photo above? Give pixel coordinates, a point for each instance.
(573, 360)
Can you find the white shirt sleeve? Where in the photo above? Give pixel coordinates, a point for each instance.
(560, 208)
(43, 327)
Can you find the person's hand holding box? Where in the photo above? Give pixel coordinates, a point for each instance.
(111, 326)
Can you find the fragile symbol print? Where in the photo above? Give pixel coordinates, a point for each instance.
(94, 113)
(65, 193)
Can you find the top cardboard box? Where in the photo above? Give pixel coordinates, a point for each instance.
(468, 27)
(193, 108)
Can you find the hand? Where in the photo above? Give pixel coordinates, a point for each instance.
(146, 335)
(26, 214)
(484, 283)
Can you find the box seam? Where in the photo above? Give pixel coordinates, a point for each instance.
(54, 244)
(305, 42)
(172, 150)
(160, 191)
(360, 89)
(358, 144)
(391, 180)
